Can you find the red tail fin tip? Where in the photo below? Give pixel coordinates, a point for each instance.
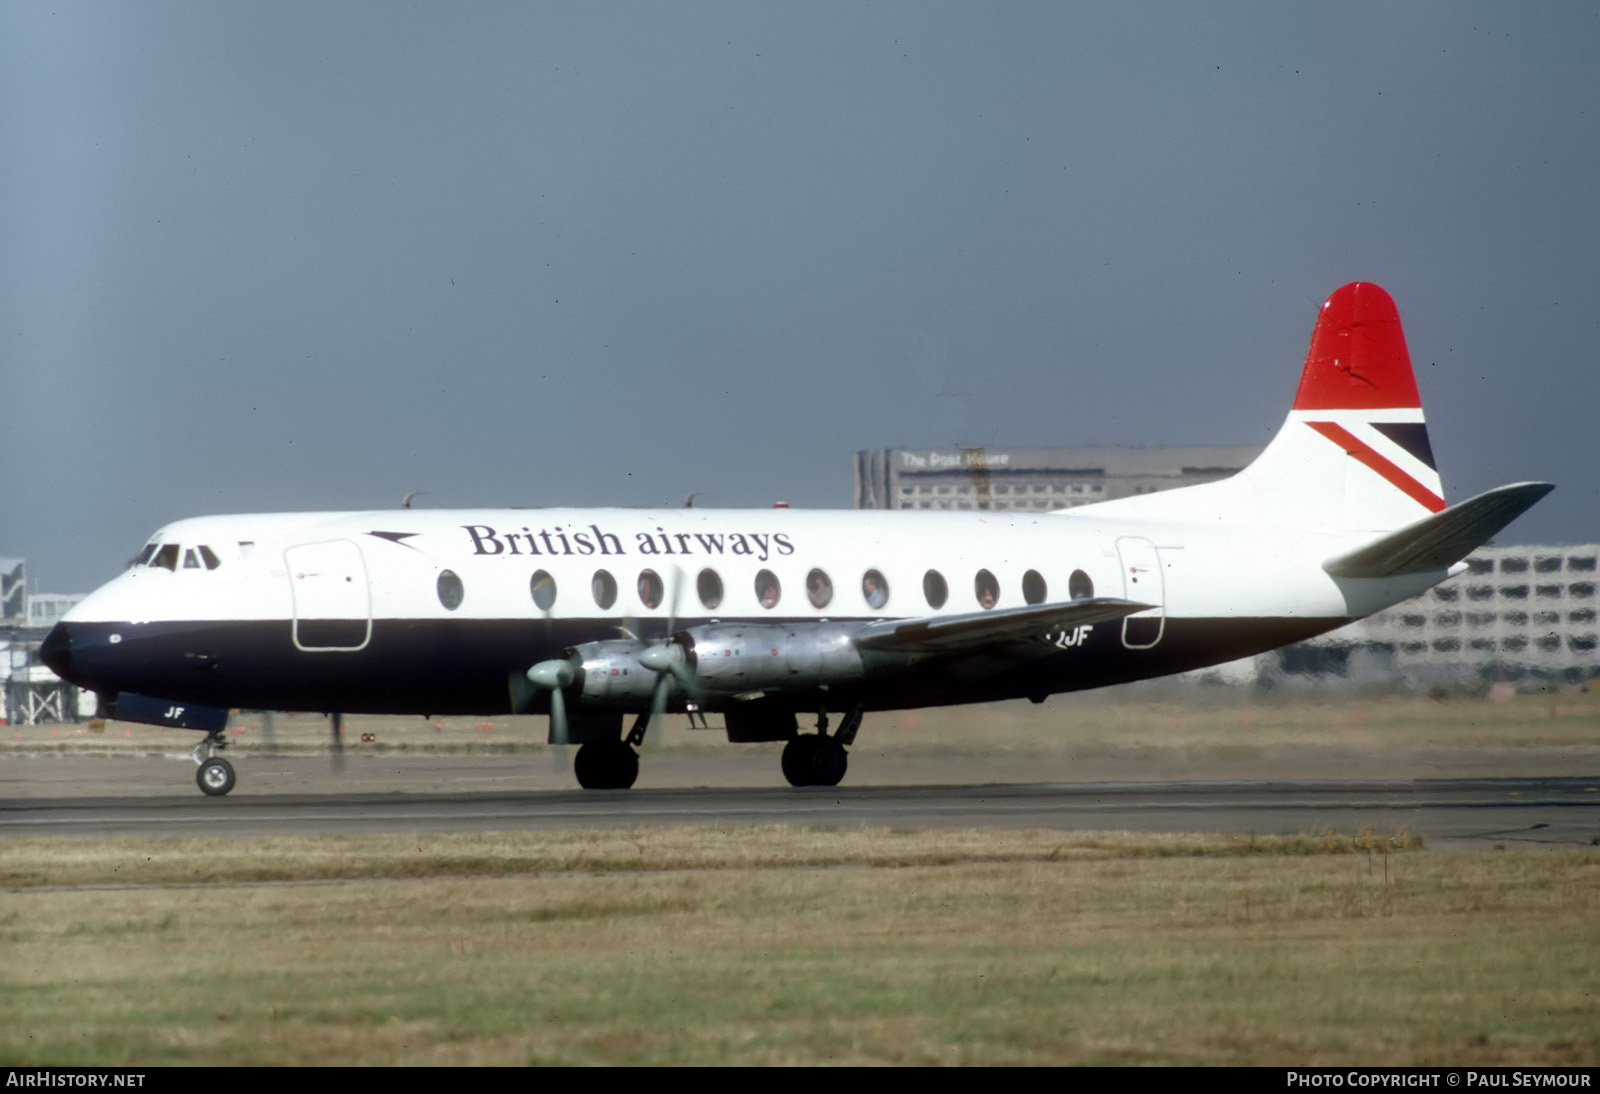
(1358, 358)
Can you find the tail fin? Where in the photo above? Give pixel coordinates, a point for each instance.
(1353, 455)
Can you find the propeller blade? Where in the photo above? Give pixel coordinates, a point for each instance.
(558, 719)
(521, 690)
(336, 723)
(658, 702)
(554, 676)
(672, 601)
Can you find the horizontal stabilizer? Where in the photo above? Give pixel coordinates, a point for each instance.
(1440, 541)
(978, 629)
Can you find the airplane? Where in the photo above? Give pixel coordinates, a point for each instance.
(761, 616)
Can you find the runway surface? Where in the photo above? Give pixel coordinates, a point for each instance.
(158, 797)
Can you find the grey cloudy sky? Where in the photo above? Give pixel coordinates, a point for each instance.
(300, 256)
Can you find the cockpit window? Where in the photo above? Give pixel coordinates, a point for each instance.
(191, 561)
(166, 557)
(144, 555)
(210, 556)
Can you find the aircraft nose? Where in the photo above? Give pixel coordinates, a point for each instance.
(56, 650)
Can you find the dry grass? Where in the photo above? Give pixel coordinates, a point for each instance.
(785, 945)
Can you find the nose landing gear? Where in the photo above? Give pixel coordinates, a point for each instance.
(215, 776)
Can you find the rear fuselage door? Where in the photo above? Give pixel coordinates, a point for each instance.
(1142, 581)
(332, 603)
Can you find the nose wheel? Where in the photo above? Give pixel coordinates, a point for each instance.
(215, 777)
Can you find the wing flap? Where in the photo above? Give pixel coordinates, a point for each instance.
(998, 627)
(1443, 539)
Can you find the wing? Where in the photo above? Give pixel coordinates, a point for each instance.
(992, 628)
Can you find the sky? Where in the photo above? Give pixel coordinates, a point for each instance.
(294, 256)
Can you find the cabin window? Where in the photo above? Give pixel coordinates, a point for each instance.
(819, 589)
(1034, 589)
(451, 591)
(210, 557)
(874, 589)
(543, 588)
(768, 591)
(604, 588)
(166, 557)
(935, 589)
(709, 586)
(1079, 586)
(650, 589)
(986, 589)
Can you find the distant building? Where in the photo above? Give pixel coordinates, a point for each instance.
(46, 609)
(1517, 612)
(1035, 479)
(13, 591)
(29, 691)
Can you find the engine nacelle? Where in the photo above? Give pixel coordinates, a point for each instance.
(729, 658)
(611, 674)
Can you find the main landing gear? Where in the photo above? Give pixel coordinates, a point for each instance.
(215, 775)
(817, 759)
(611, 765)
(606, 765)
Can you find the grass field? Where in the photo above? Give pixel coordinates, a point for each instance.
(786, 945)
(793, 945)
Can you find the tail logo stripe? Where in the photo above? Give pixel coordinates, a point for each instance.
(1391, 472)
(1411, 436)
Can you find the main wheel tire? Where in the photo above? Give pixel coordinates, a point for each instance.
(829, 761)
(215, 777)
(797, 760)
(606, 765)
